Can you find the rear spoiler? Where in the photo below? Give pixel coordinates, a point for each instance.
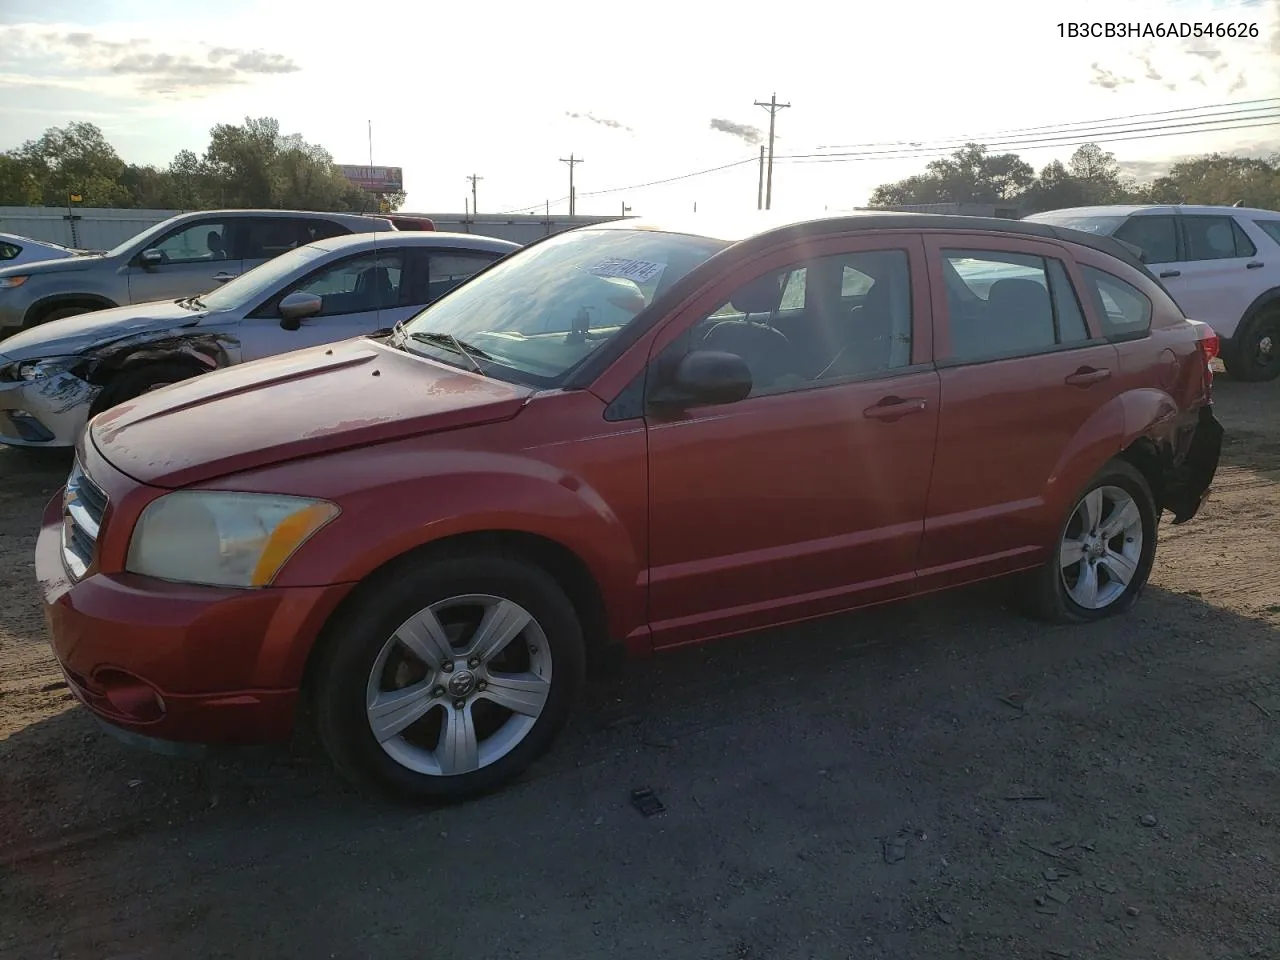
(409, 223)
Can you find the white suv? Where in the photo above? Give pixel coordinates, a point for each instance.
(1222, 265)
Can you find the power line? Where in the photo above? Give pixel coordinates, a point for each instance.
(896, 152)
(1242, 105)
(1043, 143)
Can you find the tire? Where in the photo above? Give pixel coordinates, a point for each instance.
(1059, 592)
(364, 659)
(135, 381)
(1254, 356)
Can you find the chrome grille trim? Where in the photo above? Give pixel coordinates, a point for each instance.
(84, 504)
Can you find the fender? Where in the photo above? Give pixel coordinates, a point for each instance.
(68, 297)
(425, 496)
(1115, 426)
(1264, 300)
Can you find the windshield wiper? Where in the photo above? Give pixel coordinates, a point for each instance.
(468, 350)
(192, 303)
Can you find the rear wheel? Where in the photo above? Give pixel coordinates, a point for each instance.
(59, 312)
(1255, 350)
(1104, 552)
(448, 679)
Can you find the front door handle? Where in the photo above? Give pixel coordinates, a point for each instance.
(1170, 273)
(891, 408)
(1254, 265)
(1086, 376)
(224, 277)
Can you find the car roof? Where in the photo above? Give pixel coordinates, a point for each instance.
(767, 227)
(1132, 209)
(415, 238)
(276, 214)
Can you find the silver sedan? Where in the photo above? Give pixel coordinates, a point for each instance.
(56, 376)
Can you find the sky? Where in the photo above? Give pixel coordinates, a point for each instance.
(643, 92)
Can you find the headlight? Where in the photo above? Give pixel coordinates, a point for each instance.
(43, 369)
(7, 283)
(223, 539)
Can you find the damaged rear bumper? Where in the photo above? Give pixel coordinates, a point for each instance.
(1189, 480)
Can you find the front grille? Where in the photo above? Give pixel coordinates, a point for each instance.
(84, 504)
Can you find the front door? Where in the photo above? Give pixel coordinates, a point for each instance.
(360, 295)
(195, 258)
(1023, 369)
(809, 495)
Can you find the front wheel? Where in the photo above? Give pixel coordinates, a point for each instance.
(1104, 552)
(447, 679)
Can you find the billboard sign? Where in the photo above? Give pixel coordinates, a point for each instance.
(374, 179)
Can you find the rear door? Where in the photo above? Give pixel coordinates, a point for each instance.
(1023, 368)
(361, 294)
(1216, 283)
(196, 257)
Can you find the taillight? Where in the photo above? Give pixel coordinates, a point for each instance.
(1209, 345)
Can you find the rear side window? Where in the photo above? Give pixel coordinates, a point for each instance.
(1157, 237)
(8, 251)
(1270, 227)
(1006, 304)
(1122, 307)
(1215, 238)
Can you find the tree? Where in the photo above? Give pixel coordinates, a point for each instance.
(74, 159)
(969, 175)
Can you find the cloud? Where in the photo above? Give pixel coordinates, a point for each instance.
(603, 121)
(743, 131)
(84, 60)
(1106, 79)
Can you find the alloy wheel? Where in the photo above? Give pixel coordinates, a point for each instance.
(1101, 547)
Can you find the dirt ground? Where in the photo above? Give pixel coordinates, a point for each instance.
(937, 779)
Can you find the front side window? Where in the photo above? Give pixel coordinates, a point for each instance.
(360, 284)
(813, 323)
(543, 310)
(207, 241)
(1155, 236)
(1215, 238)
(1008, 304)
(1123, 308)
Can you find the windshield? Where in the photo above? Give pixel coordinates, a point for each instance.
(261, 281)
(1102, 226)
(539, 313)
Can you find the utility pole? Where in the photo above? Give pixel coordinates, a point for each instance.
(760, 187)
(572, 162)
(371, 146)
(773, 106)
(625, 208)
(473, 178)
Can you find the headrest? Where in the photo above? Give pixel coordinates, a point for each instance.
(761, 295)
(1019, 290)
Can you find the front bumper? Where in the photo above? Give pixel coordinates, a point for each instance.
(44, 413)
(1188, 483)
(168, 662)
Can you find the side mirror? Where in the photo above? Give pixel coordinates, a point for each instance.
(704, 377)
(296, 306)
(150, 258)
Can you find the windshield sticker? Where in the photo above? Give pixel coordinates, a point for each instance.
(637, 271)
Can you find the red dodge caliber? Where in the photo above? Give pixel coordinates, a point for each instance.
(630, 435)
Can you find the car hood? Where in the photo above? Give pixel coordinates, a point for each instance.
(299, 404)
(85, 331)
(62, 265)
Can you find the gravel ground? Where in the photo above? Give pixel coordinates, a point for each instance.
(937, 779)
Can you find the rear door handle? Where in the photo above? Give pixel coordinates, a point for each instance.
(1088, 375)
(1170, 273)
(224, 277)
(891, 408)
(1254, 265)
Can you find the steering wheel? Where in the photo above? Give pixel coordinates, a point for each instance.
(767, 351)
